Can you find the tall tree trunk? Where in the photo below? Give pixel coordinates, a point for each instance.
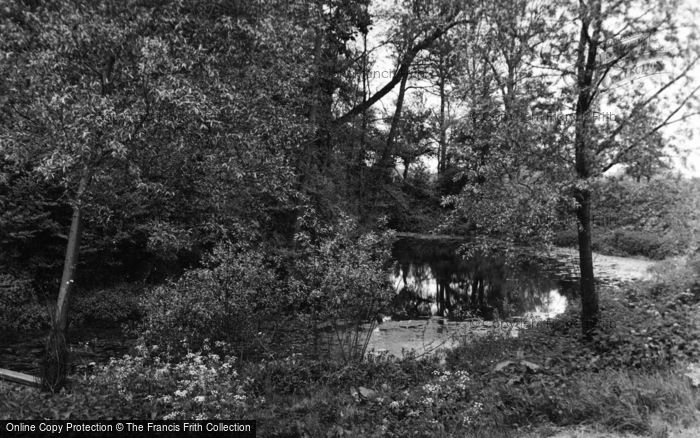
(363, 134)
(56, 360)
(385, 160)
(442, 157)
(586, 67)
(589, 295)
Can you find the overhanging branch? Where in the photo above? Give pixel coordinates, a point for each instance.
(402, 71)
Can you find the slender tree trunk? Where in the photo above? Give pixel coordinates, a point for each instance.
(586, 68)
(442, 160)
(385, 160)
(589, 296)
(56, 361)
(363, 134)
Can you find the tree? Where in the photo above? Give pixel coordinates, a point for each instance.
(507, 177)
(414, 137)
(448, 15)
(138, 103)
(553, 140)
(599, 145)
(66, 116)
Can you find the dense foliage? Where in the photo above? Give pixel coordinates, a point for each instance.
(655, 218)
(192, 124)
(337, 279)
(225, 179)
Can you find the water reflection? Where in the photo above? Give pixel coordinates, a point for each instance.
(431, 279)
(443, 299)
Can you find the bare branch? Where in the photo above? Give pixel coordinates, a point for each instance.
(643, 105)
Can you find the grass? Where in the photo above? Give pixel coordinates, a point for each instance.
(621, 401)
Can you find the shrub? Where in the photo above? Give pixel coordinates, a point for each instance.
(343, 277)
(623, 242)
(566, 237)
(115, 304)
(20, 309)
(681, 274)
(336, 277)
(296, 374)
(654, 322)
(289, 375)
(225, 302)
(654, 218)
(645, 243)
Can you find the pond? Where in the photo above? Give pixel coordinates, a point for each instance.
(443, 298)
(431, 278)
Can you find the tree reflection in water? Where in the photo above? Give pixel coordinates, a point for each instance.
(432, 279)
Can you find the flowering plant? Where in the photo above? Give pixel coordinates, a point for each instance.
(201, 386)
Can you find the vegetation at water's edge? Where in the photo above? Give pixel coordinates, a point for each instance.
(655, 218)
(630, 378)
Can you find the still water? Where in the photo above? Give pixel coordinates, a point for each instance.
(443, 298)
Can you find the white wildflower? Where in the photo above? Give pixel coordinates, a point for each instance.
(171, 416)
(431, 388)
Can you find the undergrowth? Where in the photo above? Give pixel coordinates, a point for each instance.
(626, 379)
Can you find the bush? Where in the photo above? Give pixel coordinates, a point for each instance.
(342, 276)
(644, 243)
(566, 238)
(629, 374)
(296, 374)
(618, 400)
(115, 304)
(654, 218)
(225, 302)
(336, 277)
(623, 242)
(20, 309)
